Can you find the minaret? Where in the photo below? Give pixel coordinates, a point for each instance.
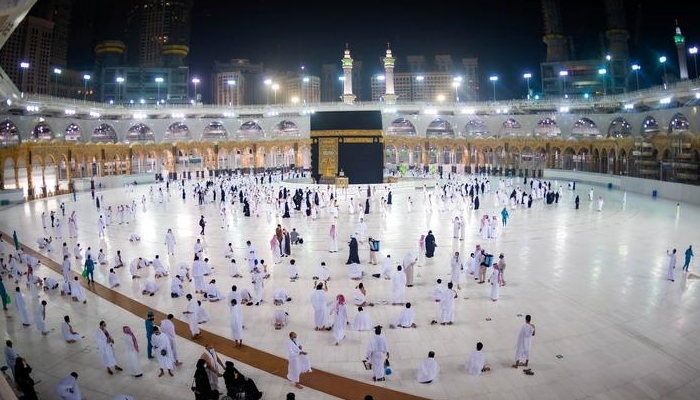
(618, 49)
(389, 96)
(680, 46)
(348, 97)
(553, 31)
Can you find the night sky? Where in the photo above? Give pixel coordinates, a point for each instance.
(506, 36)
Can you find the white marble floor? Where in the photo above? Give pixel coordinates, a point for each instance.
(609, 325)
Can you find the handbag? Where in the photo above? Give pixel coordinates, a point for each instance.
(8, 299)
(85, 273)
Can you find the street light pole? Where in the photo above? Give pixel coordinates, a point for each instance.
(56, 72)
(456, 83)
(86, 78)
(159, 80)
(636, 68)
(662, 60)
(231, 83)
(268, 83)
(195, 81)
(602, 72)
(694, 52)
(304, 90)
(120, 80)
(275, 87)
(563, 75)
(527, 77)
(493, 80)
(23, 66)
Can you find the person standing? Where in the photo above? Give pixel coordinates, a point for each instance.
(191, 312)
(24, 381)
(168, 328)
(68, 388)
(340, 319)
(354, 255)
(398, 287)
(494, 280)
(600, 203)
(377, 354)
(577, 200)
(447, 305)
(428, 369)
(456, 267)
(319, 301)
(105, 346)
(10, 356)
(15, 239)
(236, 323)
(298, 362)
(164, 351)
(430, 245)
(170, 242)
(202, 224)
(671, 273)
(524, 343)
(213, 362)
(3, 294)
(40, 318)
(333, 235)
(131, 345)
(90, 268)
(202, 388)
(504, 216)
(408, 263)
(149, 333)
(688, 255)
(21, 305)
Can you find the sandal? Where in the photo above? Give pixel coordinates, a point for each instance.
(528, 372)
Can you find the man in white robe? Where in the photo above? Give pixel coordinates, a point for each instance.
(355, 271)
(236, 315)
(363, 320)
(68, 388)
(428, 369)
(159, 269)
(456, 226)
(170, 242)
(456, 267)
(163, 351)
(198, 275)
(21, 305)
(407, 318)
(524, 343)
(398, 287)
(319, 302)
(377, 354)
(168, 328)
(213, 364)
(447, 305)
(476, 363)
(298, 362)
(191, 312)
(105, 343)
(40, 318)
(176, 289)
(69, 334)
(213, 293)
(671, 272)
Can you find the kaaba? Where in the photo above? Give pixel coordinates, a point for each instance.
(347, 143)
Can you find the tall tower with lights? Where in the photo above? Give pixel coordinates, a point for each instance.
(348, 97)
(389, 62)
(679, 40)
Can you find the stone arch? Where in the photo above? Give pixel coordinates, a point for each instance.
(250, 129)
(547, 127)
(286, 128)
(139, 133)
(401, 126)
(9, 133)
(73, 133)
(440, 127)
(475, 127)
(42, 131)
(678, 123)
(585, 128)
(619, 128)
(177, 131)
(511, 127)
(650, 127)
(390, 155)
(215, 130)
(104, 133)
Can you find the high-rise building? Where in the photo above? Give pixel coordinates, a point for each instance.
(157, 23)
(26, 56)
(234, 83)
(58, 12)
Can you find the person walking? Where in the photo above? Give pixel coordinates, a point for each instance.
(671, 272)
(688, 255)
(524, 344)
(377, 354)
(149, 333)
(298, 362)
(105, 346)
(90, 269)
(202, 224)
